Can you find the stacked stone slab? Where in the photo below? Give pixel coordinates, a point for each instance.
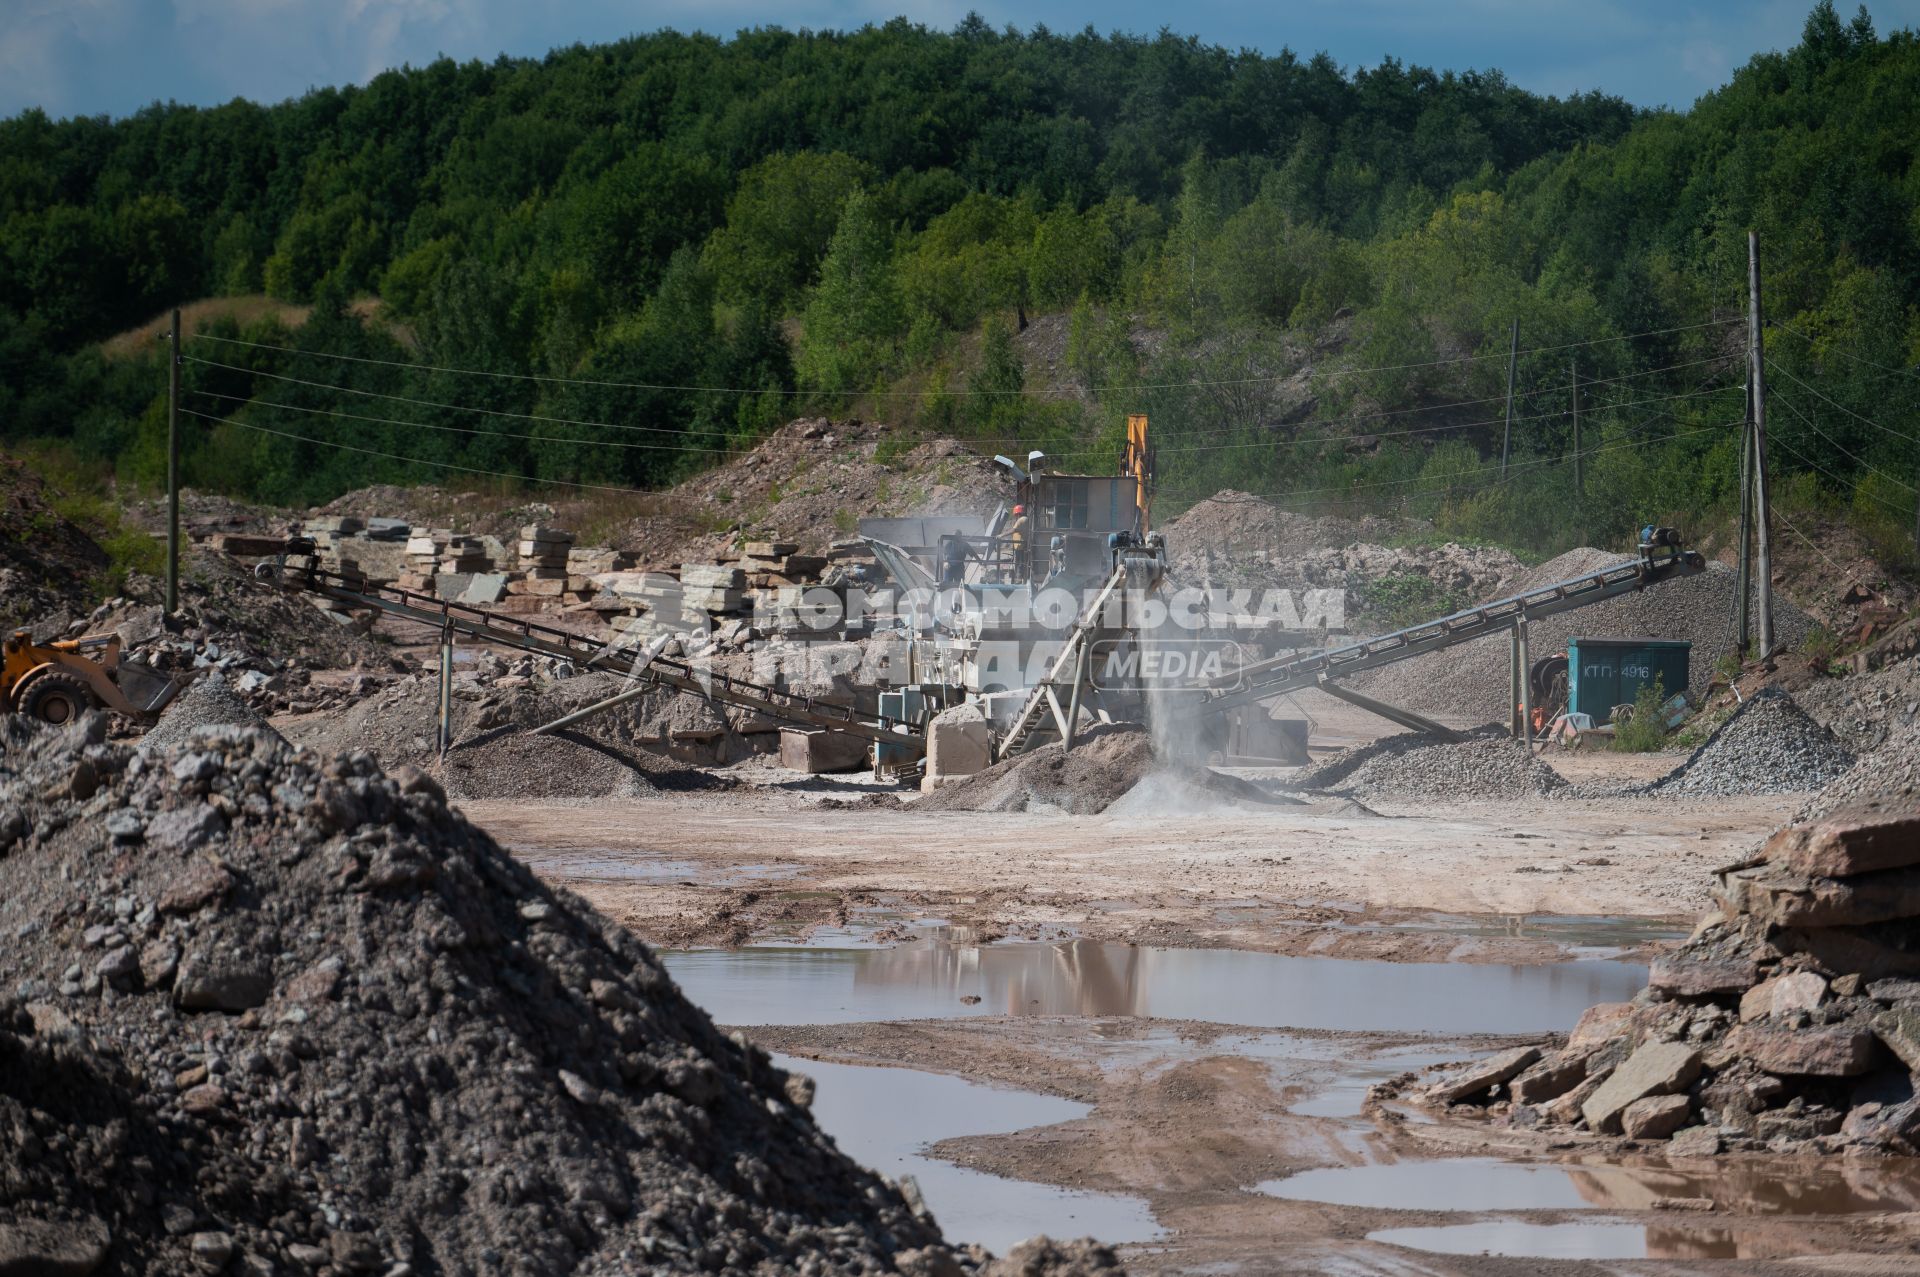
(592, 560)
(710, 587)
(328, 532)
(435, 552)
(776, 563)
(1790, 1021)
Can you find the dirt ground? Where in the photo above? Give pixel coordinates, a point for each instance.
(1194, 1117)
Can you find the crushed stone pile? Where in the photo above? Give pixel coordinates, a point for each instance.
(1110, 768)
(1767, 746)
(1487, 764)
(48, 565)
(1878, 715)
(206, 702)
(1788, 1024)
(1472, 680)
(622, 752)
(272, 1012)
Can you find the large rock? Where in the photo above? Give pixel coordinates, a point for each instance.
(39, 1248)
(1683, 977)
(1832, 1050)
(211, 982)
(1550, 1078)
(1785, 899)
(1801, 991)
(1655, 1117)
(1600, 1023)
(1858, 839)
(1899, 1028)
(1658, 1068)
(959, 744)
(1484, 1075)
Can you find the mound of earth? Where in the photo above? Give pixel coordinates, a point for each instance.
(271, 1012)
(494, 754)
(1472, 680)
(48, 566)
(206, 702)
(1767, 746)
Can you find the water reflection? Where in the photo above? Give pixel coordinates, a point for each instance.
(1086, 978)
(1608, 1239)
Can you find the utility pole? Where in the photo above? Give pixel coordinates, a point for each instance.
(1743, 578)
(1506, 436)
(1757, 352)
(173, 464)
(1579, 480)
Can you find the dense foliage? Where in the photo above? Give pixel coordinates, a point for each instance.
(658, 248)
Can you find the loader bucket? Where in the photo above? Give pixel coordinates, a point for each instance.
(146, 688)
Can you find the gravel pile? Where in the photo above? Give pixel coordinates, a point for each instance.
(269, 1012)
(1486, 766)
(1767, 746)
(208, 702)
(1473, 679)
(1879, 715)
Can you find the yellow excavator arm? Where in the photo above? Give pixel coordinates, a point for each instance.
(59, 681)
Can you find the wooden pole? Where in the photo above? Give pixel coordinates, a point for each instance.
(1762, 539)
(173, 464)
(1506, 436)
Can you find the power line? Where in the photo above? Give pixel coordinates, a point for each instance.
(468, 430)
(416, 461)
(428, 403)
(1858, 359)
(1808, 421)
(1449, 480)
(1844, 483)
(1842, 407)
(914, 394)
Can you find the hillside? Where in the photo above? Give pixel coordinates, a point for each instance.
(617, 266)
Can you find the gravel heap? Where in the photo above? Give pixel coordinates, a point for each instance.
(1790, 1023)
(207, 701)
(1487, 764)
(1473, 679)
(269, 1012)
(495, 755)
(1767, 746)
(1878, 715)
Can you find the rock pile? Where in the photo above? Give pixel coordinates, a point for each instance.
(1488, 764)
(207, 702)
(1791, 1021)
(1767, 746)
(268, 1012)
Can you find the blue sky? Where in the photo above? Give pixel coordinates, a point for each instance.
(114, 56)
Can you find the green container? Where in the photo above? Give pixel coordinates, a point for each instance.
(1602, 673)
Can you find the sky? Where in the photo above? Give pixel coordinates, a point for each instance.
(93, 57)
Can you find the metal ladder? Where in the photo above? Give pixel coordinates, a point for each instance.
(1075, 655)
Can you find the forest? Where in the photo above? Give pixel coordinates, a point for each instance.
(615, 264)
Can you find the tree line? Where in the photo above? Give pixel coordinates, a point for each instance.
(1308, 275)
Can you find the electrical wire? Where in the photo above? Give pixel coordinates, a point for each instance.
(416, 461)
(1114, 388)
(1842, 407)
(467, 430)
(1858, 359)
(1804, 459)
(1808, 421)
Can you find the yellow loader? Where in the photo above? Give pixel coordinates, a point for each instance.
(57, 682)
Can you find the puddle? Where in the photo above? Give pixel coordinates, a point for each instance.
(884, 1118)
(1479, 1184)
(1345, 1097)
(1079, 977)
(1597, 1240)
(610, 865)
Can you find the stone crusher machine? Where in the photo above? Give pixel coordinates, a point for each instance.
(1662, 557)
(57, 682)
(986, 627)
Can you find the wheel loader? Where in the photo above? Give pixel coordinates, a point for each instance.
(57, 682)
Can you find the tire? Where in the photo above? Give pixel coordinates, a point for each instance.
(57, 699)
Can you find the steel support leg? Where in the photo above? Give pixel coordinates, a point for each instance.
(446, 690)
